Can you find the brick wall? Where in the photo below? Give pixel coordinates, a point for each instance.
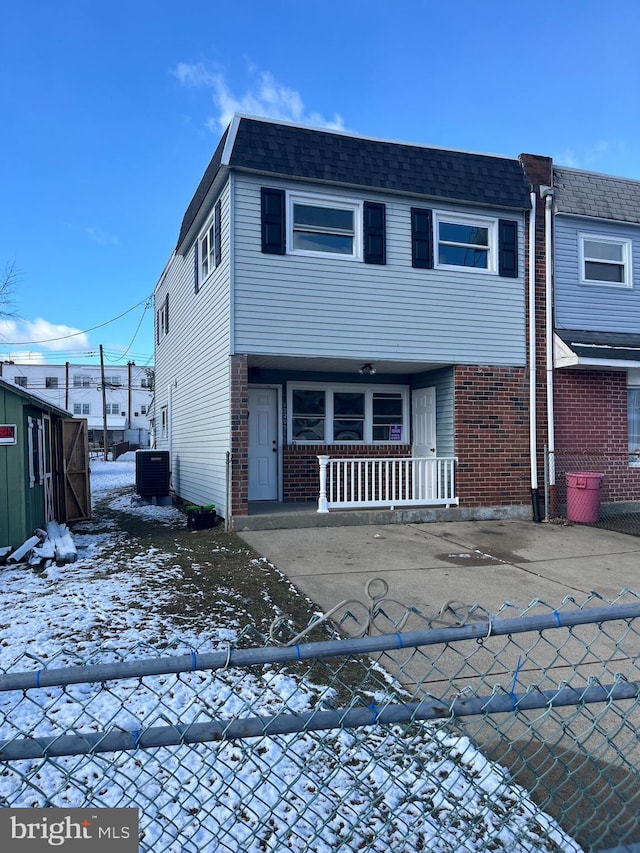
(239, 435)
(301, 480)
(591, 431)
(492, 435)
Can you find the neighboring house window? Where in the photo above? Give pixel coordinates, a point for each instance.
(81, 408)
(113, 381)
(146, 382)
(112, 408)
(164, 422)
(51, 382)
(605, 260)
(348, 413)
(81, 381)
(322, 225)
(21, 381)
(143, 410)
(465, 241)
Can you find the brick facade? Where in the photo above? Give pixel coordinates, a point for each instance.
(492, 435)
(591, 431)
(239, 400)
(300, 473)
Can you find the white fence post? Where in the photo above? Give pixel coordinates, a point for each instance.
(323, 461)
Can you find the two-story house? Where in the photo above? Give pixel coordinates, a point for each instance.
(597, 328)
(346, 317)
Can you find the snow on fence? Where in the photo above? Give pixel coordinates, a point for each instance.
(460, 730)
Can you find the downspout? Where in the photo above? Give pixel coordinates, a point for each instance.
(170, 430)
(533, 444)
(547, 194)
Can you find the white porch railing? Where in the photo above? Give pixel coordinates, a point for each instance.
(368, 483)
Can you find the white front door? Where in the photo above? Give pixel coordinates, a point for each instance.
(423, 404)
(263, 444)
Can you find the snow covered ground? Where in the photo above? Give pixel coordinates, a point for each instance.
(380, 789)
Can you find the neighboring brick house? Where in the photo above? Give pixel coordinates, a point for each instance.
(337, 296)
(597, 327)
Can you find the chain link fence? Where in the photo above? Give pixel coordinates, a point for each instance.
(594, 487)
(377, 728)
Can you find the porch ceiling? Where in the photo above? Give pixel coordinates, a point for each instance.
(339, 365)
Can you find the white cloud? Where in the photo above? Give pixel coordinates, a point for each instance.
(101, 237)
(596, 156)
(52, 337)
(265, 96)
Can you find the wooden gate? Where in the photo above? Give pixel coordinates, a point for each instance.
(75, 451)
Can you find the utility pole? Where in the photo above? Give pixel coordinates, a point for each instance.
(104, 405)
(129, 366)
(66, 385)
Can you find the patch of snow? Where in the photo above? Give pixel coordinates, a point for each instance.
(375, 788)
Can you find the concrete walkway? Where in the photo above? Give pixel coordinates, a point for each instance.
(490, 563)
(426, 565)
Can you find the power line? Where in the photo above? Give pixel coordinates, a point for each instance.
(76, 334)
(147, 305)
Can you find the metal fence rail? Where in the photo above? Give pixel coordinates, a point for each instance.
(453, 731)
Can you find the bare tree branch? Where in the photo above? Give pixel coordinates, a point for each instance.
(10, 277)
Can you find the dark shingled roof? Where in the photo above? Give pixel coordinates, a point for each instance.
(601, 196)
(273, 149)
(620, 346)
(203, 188)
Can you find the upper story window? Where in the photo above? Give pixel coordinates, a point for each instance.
(465, 241)
(208, 247)
(162, 319)
(605, 260)
(51, 382)
(322, 226)
(325, 226)
(114, 381)
(81, 381)
(81, 409)
(348, 413)
(21, 381)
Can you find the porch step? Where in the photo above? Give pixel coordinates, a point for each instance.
(292, 519)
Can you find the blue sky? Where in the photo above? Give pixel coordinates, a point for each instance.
(111, 110)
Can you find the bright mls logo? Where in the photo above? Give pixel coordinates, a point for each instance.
(35, 830)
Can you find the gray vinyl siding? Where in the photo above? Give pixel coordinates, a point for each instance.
(193, 359)
(598, 308)
(328, 306)
(442, 381)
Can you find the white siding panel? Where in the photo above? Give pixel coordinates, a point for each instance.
(593, 307)
(192, 374)
(334, 307)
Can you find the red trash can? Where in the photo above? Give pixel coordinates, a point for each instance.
(583, 496)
